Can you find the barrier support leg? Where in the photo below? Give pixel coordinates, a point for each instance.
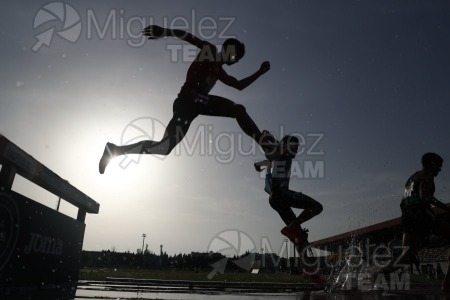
(7, 175)
(81, 215)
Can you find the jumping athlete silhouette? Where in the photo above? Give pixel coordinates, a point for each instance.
(194, 98)
(282, 199)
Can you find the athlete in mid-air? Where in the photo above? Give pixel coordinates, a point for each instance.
(194, 98)
(282, 199)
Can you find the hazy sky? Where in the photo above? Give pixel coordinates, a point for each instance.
(365, 83)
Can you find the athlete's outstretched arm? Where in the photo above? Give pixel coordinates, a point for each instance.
(440, 204)
(243, 83)
(427, 193)
(155, 32)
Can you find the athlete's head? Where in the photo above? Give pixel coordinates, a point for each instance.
(289, 145)
(232, 51)
(432, 162)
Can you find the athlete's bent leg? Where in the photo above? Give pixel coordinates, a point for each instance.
(310, 213)
(222, 107)
(310, 206)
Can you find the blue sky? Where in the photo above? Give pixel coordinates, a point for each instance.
(370, 78)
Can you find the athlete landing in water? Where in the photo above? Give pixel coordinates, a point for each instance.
(194, 98)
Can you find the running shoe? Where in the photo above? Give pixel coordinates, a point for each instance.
(108, 154)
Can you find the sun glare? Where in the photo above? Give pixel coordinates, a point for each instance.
(123, 171)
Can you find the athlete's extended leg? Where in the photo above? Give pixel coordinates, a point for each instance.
(175, 132)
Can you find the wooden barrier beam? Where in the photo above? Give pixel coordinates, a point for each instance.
(15, 160)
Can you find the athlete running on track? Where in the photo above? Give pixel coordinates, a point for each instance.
(194, 98)
(418, 218)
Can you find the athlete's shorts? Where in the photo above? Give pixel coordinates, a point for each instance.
(188, 107)
(417, 217)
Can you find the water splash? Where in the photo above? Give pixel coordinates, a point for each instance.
(356, 271)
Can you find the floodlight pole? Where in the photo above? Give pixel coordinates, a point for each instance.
(143, 239)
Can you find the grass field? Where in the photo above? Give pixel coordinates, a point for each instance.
(102, 274)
